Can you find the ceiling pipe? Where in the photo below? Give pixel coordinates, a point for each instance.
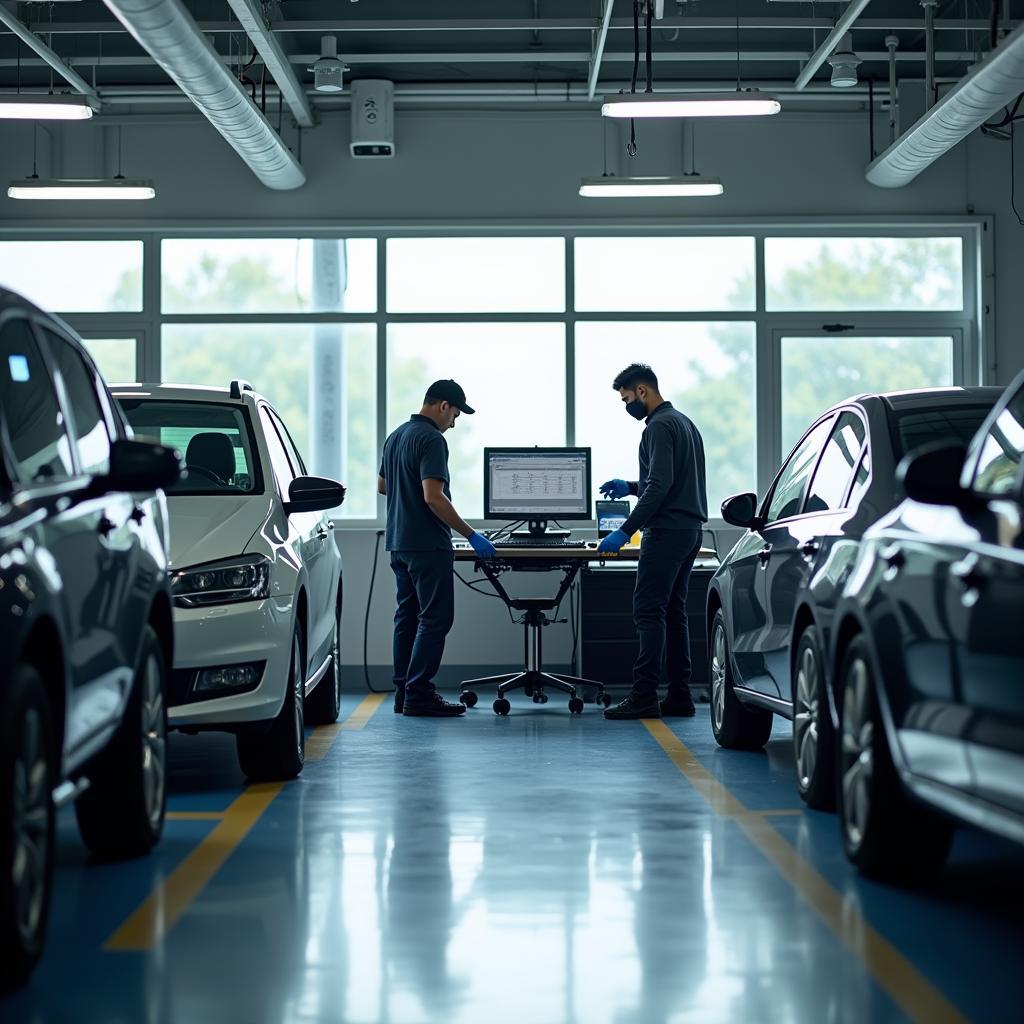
(829, 43)
(930, 94)
(891, 42)
(250, 17)
(166, 30)
(595, 60)
(994, 83)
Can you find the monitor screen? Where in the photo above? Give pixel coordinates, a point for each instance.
(537, 483)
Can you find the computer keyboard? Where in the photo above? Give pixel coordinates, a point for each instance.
(538, 542)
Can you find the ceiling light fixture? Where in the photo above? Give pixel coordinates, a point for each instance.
(81, 188)
(716, 104)
(844, 63)
(610, 187)
(45, 107)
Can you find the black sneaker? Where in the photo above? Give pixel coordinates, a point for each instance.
(678, 704)
(399, 701)
(437, 707)
(634, 706)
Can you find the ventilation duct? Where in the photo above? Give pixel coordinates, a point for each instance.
(993, 84)
(167, 32)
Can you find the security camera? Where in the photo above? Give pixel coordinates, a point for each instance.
(328, 71)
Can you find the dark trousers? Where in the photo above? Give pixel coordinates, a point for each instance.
(659, 609)
(423, 618)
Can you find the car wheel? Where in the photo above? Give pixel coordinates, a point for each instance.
(27, 763)
(885, 833)
(734, 725)
(813, 734)
(280, 752)
(121, 814)
(324, 703)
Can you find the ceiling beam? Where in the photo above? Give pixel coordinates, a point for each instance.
(275, 60)
(598, 53)
(829, 43)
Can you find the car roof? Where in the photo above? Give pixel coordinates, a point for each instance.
(182, 393)
(936, 398)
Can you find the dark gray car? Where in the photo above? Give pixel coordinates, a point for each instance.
(772, 602)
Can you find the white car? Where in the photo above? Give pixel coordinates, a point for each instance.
(256, 577)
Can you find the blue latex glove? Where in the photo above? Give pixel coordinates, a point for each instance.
(482, 546)
(611, 544)
(614, 488)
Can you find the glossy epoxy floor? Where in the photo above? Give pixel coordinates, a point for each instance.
(532, 869)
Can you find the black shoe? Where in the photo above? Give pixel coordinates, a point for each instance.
(399, 701)
(678, 704)
(437, 707)
(635, 706)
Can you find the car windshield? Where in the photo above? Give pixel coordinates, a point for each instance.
(949, 425)
(216, 441)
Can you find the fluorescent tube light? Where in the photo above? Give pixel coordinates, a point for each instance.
(44, 107)
(81, 188)
(711, 104)
(627, 188)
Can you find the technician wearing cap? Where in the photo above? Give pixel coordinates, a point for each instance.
(420, 518)
(672, 511)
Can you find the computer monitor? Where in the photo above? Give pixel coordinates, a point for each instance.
(537, 484)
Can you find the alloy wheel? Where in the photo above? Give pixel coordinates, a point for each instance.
(805, 718)
(154, 741)
(718, 676)
(31, 827)
(857, 755)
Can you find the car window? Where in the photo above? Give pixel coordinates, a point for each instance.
(278, 456)
(35, 425)
(832, 476)
(215, 439)
(951, 425)
(788, 495)
(89, 429)
(298, 465)
(1001, 452)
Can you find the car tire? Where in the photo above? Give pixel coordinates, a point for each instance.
(27, 775)
(280, 752)
(885, 833)
(324, 704)
(121, 814)
(813, 733)
(735, 726)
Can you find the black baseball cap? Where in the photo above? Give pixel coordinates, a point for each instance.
(449, 391)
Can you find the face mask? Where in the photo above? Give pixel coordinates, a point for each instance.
(636, 409)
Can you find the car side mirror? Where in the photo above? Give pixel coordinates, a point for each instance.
(140, 466)
(313, 494)
(741, 510)
(931, 475)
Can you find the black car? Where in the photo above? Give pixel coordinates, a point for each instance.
(771, 604)
(928, 656)
(86, 620)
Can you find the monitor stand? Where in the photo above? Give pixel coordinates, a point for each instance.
(539, 528)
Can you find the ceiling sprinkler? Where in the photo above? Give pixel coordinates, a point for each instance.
(328, 71)
(844, 63)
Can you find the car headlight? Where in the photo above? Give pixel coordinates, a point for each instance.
(246, 578)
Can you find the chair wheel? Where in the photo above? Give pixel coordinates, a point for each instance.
(469, 698)
(575, 706)
(502, 706)
(542, 698)
(605, 700)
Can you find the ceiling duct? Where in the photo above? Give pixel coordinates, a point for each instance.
(166, 30)
(994, 83)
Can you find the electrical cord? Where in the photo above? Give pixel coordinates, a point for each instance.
(1013, 180)
(631, 145)
(366, 620)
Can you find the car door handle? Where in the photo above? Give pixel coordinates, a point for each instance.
(764, 554)
(810, 548)
(969, 572)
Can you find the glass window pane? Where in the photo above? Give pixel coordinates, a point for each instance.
(788, 495)
(828, 488)
(269, 275)
(476, 275)
(951, 425)
(818, 372)
(28, 403)
(90, 431)
(705, 369)
(498, 366)
(864, 273)
(663, 275)
(312, 373)
(115, 358)
(278, 457)
(861, 480)
(1002, 451)
(75, 277)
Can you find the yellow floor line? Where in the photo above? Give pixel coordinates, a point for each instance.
(906, 986)
(318, 745)
(195, 815)
(364, 712)
(148, 925)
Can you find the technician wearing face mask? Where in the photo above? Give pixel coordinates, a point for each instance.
(420, 519)
(672, 511)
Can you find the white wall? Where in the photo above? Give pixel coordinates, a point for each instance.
(520, 167)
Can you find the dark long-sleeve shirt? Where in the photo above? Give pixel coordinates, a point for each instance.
(673, 486)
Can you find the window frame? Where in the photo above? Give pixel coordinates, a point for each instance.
(977, 319)
(830, 417)
(844, 501)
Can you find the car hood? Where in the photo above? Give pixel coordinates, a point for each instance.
(204, 529)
